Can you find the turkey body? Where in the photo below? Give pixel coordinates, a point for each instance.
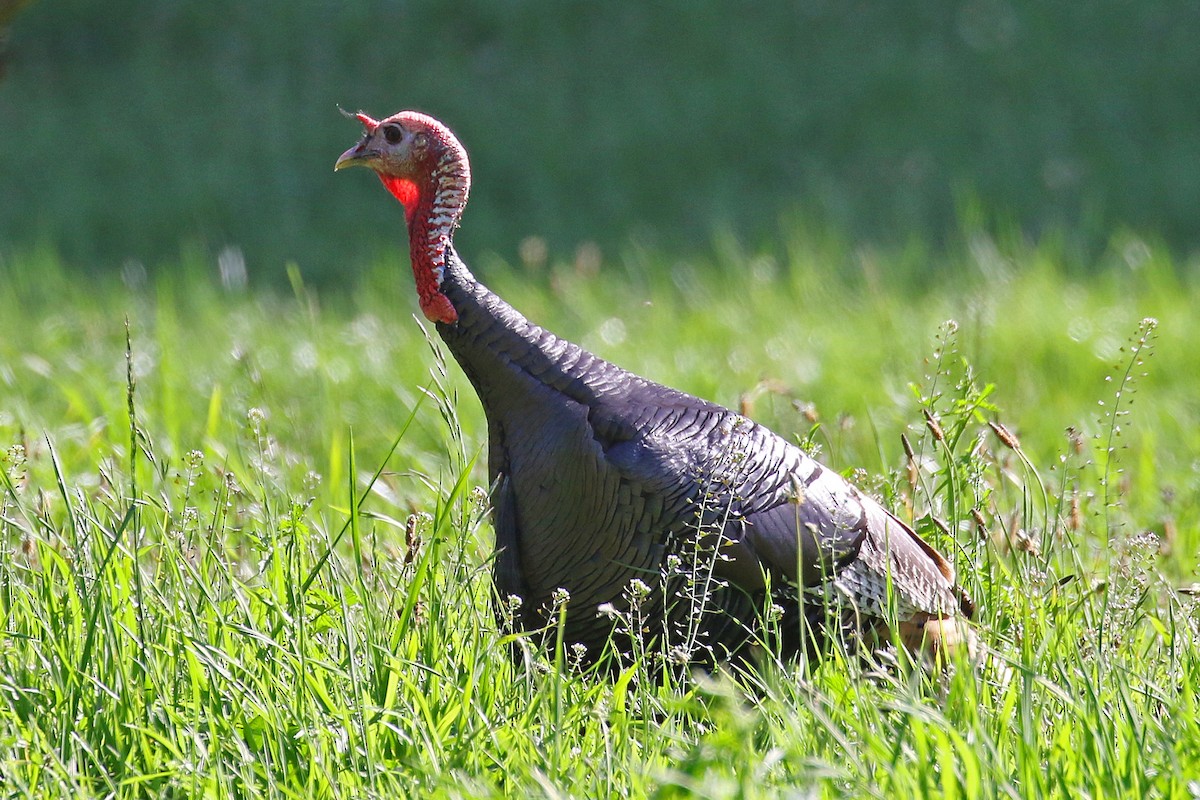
(624, 492)
(599, 475)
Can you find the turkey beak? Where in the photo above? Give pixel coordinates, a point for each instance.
(360, 155)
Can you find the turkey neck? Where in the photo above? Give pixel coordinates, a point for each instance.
(432, 216)
(492, 341)
(499, 348)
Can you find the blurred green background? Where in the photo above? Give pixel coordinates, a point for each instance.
(130, 129)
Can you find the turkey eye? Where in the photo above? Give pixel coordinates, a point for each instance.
(393, 134)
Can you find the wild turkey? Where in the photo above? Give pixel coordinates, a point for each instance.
(622, 491)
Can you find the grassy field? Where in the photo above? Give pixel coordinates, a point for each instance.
(246, 541)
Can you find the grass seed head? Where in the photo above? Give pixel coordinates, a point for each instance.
(934, 426)
(1004, 435)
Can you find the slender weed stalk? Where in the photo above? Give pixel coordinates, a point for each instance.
(1116, 418)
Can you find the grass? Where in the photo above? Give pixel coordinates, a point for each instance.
(247, 549)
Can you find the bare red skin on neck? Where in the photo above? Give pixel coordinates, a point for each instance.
(405, 191)
(434, 305)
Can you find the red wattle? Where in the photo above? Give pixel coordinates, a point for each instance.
(437, 307)
(434, 305)
(403, 190)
